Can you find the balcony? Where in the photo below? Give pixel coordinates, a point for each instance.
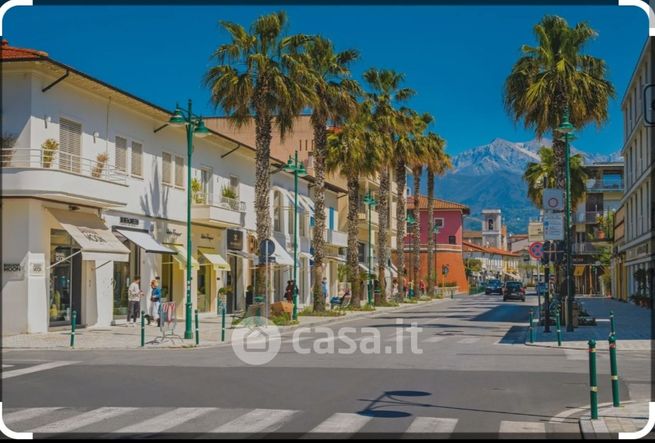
(336, 238)
(218, 209)
(585, 248)
(362, 215)
(599, 185)
(588, 217)
(62, 177)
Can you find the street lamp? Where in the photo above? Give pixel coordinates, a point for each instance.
(370, 202)
(298, 170)
(194, 126)
(567, 129)
(435, 233)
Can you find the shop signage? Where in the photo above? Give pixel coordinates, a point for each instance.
(174, 232)
(37, 269)
(553, 226)
(12, 267)
(129, 221)
(92, 236)
(234, 240)
(207, 237)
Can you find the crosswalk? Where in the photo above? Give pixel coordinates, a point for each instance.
(204, 421)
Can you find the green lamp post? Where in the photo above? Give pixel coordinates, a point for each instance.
(194, 126)
(567, 129)
(411, 221)
(435, 232)
(298, 170)
(370, 202)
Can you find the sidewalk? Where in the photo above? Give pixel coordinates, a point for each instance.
(129, 337)
(632, 324)
(630, 417)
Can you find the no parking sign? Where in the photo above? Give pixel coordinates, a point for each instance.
(536, 250)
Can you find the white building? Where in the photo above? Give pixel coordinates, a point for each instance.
(111, 203)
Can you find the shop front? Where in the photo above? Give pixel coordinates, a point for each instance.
(212, 266)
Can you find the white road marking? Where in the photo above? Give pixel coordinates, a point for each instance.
(434, 339)
(522, 427)
(468, 341)
(37, 368)
(27, 414)
(432, 425)
(342, 423)
(82, 420)
(258, 420)
(7, 366)
(167, 421)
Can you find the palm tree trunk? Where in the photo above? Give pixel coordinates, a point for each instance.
(416, 233)
(262, 188)
(353, 234)
(431, 242)
(318, 242)
(401, 209)
(383, 241)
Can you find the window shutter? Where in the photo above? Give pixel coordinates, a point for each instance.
(166, 168)
(137, 154)
(331, 223)
(70, 134)
(120, 159)
(179, 171)
(234, 184)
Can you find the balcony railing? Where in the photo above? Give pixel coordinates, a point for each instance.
(599, 185)
(206, 198)
(27, 158)
(589, 217)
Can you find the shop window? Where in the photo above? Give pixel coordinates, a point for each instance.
(65, 279)
(179, 172)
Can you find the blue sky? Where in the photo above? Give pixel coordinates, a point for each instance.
(456, 58)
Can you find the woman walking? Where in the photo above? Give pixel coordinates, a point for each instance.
(155, 301)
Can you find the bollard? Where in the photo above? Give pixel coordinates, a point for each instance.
(593, 385)
(559, 330)
(531, 329)
(222, 323)
(612, 330)
(73, 329)
(197, 332)
(218, 306)
(143, 329)
(614, 371)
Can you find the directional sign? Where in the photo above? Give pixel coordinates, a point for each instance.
(536, 250)
(553, 226)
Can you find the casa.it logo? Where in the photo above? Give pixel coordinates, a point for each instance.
(256, 341)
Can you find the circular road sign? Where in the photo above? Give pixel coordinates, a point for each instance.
(536, 250)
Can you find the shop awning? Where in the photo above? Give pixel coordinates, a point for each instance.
(364, 268)
(306, 203)
(216, 260)
(282, 257)
(578, 271)
(335, 258)
(287, 194)
(90, 232)
(145, 241)
(181, 259)
(242, 254)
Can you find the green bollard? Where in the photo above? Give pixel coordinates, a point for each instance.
(218, 306)
(197, 331)
(559, 330)
(615, 372)
(73, 329)
(612, 330)
(531, 329)
(143, 329)
(593, 385)
(222, 323)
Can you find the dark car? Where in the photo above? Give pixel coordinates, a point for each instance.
(513, 289)
(493, 286)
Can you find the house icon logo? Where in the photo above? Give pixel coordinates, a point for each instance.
(256, 341)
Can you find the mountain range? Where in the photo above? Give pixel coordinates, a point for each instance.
(491, 177)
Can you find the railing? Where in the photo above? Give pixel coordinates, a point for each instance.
(584, 248)
(589, 217)
(600, 185)
(60, 161)
(205, 198)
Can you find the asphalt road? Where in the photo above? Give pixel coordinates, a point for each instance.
(469, 374)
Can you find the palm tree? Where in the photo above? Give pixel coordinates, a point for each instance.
(554, 76)
(543, 174)
(384, 92)
(335, 101)
(354, 151)
(260, 75)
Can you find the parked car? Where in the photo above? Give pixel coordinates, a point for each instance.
(513, 289)
(493, 286)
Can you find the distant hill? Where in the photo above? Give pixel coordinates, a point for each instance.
(491, 176)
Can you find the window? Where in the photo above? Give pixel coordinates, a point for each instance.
(120, 156)
(331, 220)
(137, 164)
(438, 222)
(70, 135)
(302, 222)
(490, 224)
(452, 240)
(234, 184)
(277, 211)
(166, 169)
(179, 171)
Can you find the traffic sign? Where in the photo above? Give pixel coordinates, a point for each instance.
(553, 226)
(553, 199)
(536, 250)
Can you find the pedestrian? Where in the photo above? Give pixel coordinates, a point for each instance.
(155, 301)
(288, 293)
(394, 289)
(422, 287)
(411, 289)
(324, 290)
(249, 295)
(134, 294)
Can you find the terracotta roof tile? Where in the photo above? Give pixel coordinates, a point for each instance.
(470, 247)
(438, 204)
(9, 52)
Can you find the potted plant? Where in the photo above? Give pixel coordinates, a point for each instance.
(198, 197)
(7, 148)
(230, 197)
(49, 149)
(101, 161)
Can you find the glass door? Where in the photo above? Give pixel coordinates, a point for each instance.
(203, 277)
(65, 279)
